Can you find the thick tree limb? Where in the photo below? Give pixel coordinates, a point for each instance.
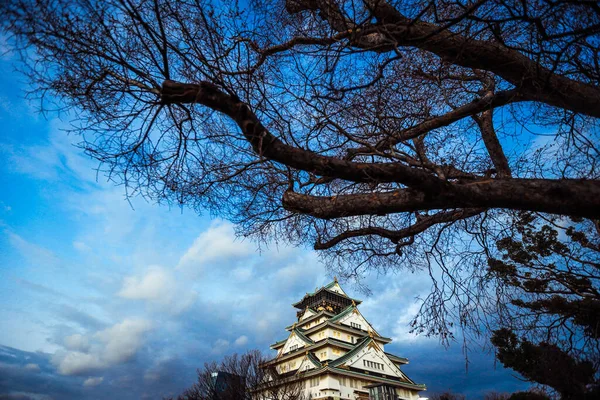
(533, 80)
(269, 146)
(492, 144)
(567, 197)
(395, 236)
(579, 198)
(485, 103)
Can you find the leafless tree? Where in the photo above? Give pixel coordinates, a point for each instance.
(447, 396)
(389, 134)
(242, 377)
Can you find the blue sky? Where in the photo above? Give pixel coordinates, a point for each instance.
(108, 299)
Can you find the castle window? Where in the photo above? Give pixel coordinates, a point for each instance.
(294, 347)
(355, 325)
(314, 382)
(382, 392)
(373, 365)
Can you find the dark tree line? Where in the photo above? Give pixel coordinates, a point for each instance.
(396, 135)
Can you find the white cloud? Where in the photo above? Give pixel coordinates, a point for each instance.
(401, 330)
(77, 342)
(159, 286)
(114, 345)
(217, 243)
(76, 362)
(241, 341)
(32, 367)
(267, 325)
(292, 273)
(298, 273)
(156, 284)
(90, 382)
(393, 306)
(123, 340)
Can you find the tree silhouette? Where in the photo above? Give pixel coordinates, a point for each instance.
(447, 396)
(241, 377)
(547, 364)
(388, 134)
(550, 297)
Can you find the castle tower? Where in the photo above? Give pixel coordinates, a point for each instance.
(335, 353)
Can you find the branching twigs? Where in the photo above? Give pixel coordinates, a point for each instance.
(267, 145)
(422, 223)
(336, 122)
(488, 101)
(534, 81)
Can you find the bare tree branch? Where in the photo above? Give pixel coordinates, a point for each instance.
(421, 225)
(567, 197)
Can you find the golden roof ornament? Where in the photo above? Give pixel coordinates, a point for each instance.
(353, 303)
(335, 279)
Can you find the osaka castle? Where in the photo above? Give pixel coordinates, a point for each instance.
(333, 352)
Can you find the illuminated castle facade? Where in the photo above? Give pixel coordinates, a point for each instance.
(333, 352)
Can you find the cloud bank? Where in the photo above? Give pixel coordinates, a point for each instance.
(104, 349)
